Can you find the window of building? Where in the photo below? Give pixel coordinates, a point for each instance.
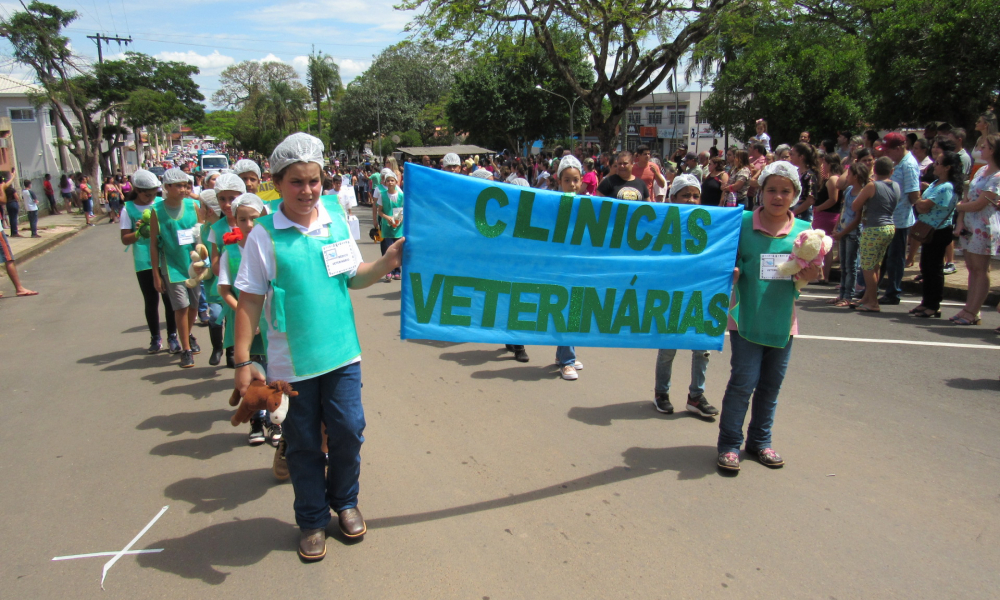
(678, 117)
(22, 115)
(654, 117)
(635, 117)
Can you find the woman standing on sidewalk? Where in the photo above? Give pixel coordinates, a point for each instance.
(135, 233)
(935, 208)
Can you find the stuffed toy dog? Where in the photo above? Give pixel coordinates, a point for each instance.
(271, 397)
(810, 247)
(201, 267)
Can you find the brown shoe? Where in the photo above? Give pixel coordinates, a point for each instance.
(312, 544)
(280, 466)
(352, 524)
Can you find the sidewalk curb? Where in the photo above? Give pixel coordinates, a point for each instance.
(44, 245)
(950, 293)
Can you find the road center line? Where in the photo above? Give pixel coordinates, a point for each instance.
(903, 342)
(96, 554)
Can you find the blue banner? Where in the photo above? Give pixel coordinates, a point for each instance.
(490, 262)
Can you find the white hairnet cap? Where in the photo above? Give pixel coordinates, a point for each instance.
(683, 181)
(230, 182)
(249, 201)
(296, 148)
(784, 169)
(145, 180)
(482, 174)
(451, 160)
(520, 182)
(209, 199)
(246, 165)
(174, 176)
(387, 173)
(569, 162)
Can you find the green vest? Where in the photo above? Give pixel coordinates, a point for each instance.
(234, 256)
(763, 308)
(177, 258)
(273, 206)
(140, 249)
(220, 227)
(387, 207)
(311, 308)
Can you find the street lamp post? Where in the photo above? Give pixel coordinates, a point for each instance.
(572, 141)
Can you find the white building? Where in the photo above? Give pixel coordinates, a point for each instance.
(34, 132)
(664, 121)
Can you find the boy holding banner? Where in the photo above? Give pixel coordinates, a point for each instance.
(686, 189)
(762, 318)
(297, 267)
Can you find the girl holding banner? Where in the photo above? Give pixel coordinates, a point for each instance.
(570, 176)
(297, 267)
(762, 318)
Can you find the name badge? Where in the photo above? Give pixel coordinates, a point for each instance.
(769, 266)
(185, 237)
(339, 258)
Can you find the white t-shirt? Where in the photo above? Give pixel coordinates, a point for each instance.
(126, 221)
(258, 269)
(378, 197)
(224, 269)
(28, 198)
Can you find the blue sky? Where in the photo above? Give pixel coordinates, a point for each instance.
(213, 34)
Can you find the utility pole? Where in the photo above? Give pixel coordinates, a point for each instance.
(107, 39)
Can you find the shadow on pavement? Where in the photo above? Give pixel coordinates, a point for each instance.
(202, 448)
(188, 422)
(145, 362)
(626, 411)
(396, 295)
(474, 358)
(232, 544)
(690, 462)
(391, 313)
(964, 383)
(175, 372)
(537, 373)
(110, 357)
(435, 343)
(222, 492)
(139, 328)
(203, 389)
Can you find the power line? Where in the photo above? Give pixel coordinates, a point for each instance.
(246, 38)
(97, 13)
(128, 30)
(114, 22)
(216, 46)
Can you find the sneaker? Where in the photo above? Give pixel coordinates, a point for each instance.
(886, 300)
(173, 344)
(568, 373)
(155, 345)
(274, 434)
(729, 461)
(397, 276)
(387, 278)
(521, 355)
(700, 406)
(203, 318)
(950, 269)
(662, 403)
(768, 457)
(578, 366)
(195, 348)
(280, 465)
(187, 359)
(256, 432)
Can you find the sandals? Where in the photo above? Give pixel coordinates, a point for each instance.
(841, 303)
(959, 319)
(919, 308)
(927, 314)
(864, 309)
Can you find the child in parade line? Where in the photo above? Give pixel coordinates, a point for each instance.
(210, 214)
(297, 267)
(145, 196)
(249, 172)
(762, 320)
(229, 264)
(389, 203)
(228, 187)
(848, 234)
(172, 228)
(570, 175)
(878, 199)
(685, 189)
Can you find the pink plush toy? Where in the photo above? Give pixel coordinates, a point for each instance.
(810, 247)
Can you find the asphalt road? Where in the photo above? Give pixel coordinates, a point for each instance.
(487, 478)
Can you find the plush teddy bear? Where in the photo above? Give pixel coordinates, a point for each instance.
(201, 267)
(271, 397)
(810, 247)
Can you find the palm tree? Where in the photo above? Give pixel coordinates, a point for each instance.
(323, 81)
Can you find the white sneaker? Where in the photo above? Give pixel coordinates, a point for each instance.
(568, 373)
(578, 366)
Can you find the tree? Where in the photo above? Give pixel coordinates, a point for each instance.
(323, 81)
(240, 82)
(634, 44)
(798, 74)
(219, 124)
(496, 101)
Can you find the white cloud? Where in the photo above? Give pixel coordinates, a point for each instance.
(301, 63)
(210, 64)
(349, 69)
(377, 13)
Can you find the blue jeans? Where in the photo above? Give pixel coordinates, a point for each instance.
(214, 314)
(895, 261)
(384, 245)
(757, 371)
(13, 208)
(849, 246)
(565, 355)
(333, 398)
(665, 367)
(202, 302)
(33, 221)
